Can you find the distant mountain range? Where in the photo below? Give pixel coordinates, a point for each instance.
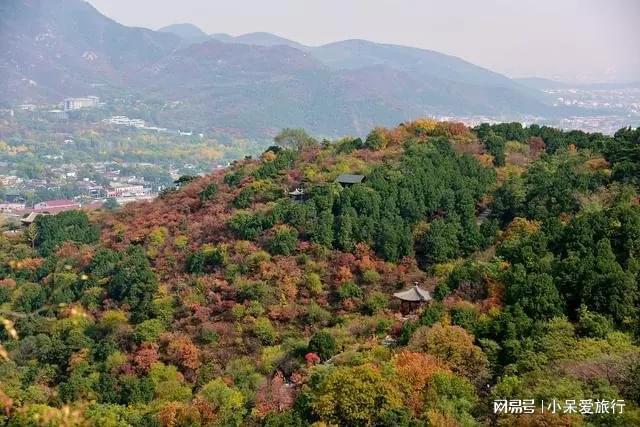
(249, 85)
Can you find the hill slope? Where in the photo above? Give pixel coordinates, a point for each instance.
(227, 302)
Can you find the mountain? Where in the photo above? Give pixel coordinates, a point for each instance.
(258, 89)
(259, 39)
(249, 85)
(51, 49)
(185, 31)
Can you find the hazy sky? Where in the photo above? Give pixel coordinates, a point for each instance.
(587, 40)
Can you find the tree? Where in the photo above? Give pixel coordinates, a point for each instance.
(168, 383)
(611, 290)
(495, 145)
(181, 351)
(441, 242)
(149, 330)
(134, 283)
(246, 225)
(415, 371)
(453, 346)
(359, 395)
(293, 138)
(184, 180)
(323, 344)
(536, 293)
(29, 297)
(65, 226)
(283, 241)
(451, 396)
(376, 139)
(31, 234)
(226, 403)
(322, 231)
(208, 193)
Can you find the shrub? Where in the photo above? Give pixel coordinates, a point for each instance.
(253, 291)
(208, 193)
(149, 330)
(317, 314)
(227, 404)
(323, 344)
(245, 225)
(180, 242)
(593, 325)
(232, 179)
(283, 241)
(370, 277)
(375, 302)
(243, 199)
(349, 290)
(264, 331)
(313, 283)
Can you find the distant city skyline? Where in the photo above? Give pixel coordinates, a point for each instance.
(569, 40)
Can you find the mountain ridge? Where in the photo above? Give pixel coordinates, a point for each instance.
(186, 31)
(233, 83)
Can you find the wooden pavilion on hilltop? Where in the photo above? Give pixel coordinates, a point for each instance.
(412, 298)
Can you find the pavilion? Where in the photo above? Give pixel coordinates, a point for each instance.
(297, 195)
(412, 298)
(347, 179)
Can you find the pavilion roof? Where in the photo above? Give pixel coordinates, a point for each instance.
(347, 178)
(414, 294)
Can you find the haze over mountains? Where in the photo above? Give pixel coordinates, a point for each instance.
(247, 85)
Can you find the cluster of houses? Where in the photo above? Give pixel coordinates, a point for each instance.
(26, 216)
(88, 193)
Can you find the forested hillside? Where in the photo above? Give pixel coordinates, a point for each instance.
(229, 301)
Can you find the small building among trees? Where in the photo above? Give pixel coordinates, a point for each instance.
(297, 195)
(413, 298)
(347, 179)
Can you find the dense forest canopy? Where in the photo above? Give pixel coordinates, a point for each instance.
(262, 294)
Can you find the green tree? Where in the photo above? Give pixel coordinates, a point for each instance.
(208, 193)
(228, 404)
(293, 138)
(283, 241)
(134, 283)
(495, 145)
(323, 344)
(65, 226)
(441, 242)
(376, 140)
(535, 293)
(356, 396)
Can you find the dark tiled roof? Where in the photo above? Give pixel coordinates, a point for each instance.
(414, 294)
(347, 178)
